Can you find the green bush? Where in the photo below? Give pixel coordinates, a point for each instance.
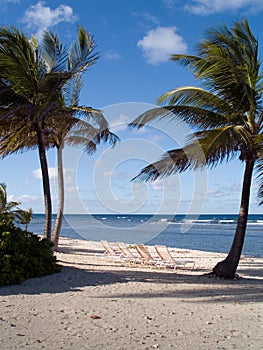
(23, 254)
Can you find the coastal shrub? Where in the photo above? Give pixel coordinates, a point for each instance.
(23, 254)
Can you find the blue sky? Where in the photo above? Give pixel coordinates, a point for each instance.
(134, 40)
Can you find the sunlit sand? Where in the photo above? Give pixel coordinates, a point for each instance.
(103, 303)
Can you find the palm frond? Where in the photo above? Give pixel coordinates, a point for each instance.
(185, 60)
(191, 115)
(152, 115)
(109, 137)
(259, 168)
(81, 53)
(205, 149)
(24, 216)
(15, 141)
(222, 143)
(54, 54)
(17, 60)
(196, 97)
(174, 161)
(3, 196)
(71, 92)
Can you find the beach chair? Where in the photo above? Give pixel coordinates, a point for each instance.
(109, 251)
(169, 261)
(128, 254)
(146, 256)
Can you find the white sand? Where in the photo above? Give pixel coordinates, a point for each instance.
(97, 303)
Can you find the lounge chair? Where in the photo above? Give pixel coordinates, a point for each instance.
(169, 261)
(145, 255)
(109, 251)
(127, 254)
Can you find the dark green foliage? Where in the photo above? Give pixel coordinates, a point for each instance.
(23, 254)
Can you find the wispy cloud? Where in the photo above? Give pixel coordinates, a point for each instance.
(169, 185)
(120, 123)
(170, 4)
(41, 17)
(9, 1)
(146, 16)
(53, 174)
(25, 198)
(111, 55)
(206, 7)
(224, 191)
(161, 42)
(71, 189)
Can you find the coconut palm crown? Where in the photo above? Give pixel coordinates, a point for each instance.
(32, 77)
(225, 113)
(74, 125)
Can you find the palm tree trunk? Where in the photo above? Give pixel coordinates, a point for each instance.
(227, 268)
(60, 210)
(45, 180)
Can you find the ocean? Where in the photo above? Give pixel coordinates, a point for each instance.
(212, 233)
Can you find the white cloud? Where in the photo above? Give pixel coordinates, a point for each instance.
(206, 7)
(53, 175)
(157, 185)
(25, 198)
(72, 189)
(43, 17)
(11, 198)
(161, 42)
(111, 55)
(120, 123)
(107, 174)
(168, 185)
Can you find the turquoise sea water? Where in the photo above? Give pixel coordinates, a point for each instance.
(205, 232)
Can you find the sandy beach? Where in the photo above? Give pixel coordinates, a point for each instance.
(97, 302)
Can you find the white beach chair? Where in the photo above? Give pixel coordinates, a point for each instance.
(169, 261)
(109, 251)
(146, 256)
(128, 254)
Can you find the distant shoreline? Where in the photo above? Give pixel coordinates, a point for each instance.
(205, 232)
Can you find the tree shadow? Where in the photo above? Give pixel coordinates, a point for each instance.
(197, 288)
(79, 251)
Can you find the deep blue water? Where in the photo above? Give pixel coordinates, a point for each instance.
(205, 232)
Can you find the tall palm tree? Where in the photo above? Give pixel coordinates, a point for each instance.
(227, 117)
(74, 125)
(31, 81)
(86, 127)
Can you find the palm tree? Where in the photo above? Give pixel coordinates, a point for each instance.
(86, 127)
(24, 217)
(74, 125)
(11, 207)
(31, 80)
(227, 117)
(5, 206)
